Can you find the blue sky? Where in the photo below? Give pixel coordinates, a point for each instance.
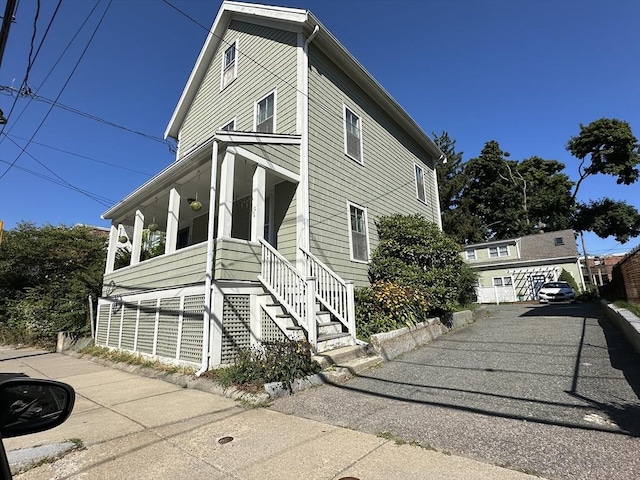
(524, 73)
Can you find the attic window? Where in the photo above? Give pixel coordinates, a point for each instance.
(558, 241)
(229, 65)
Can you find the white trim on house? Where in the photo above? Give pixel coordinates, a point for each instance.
(360, 133)
(258, 138)
(488, 265)
(349, 230)
(437, 192)
(234, 66)
(273, 117)
(272, 167)
(417, 167)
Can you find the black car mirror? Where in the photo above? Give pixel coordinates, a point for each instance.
(29, 405)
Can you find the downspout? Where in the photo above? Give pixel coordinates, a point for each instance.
(211, 245)
(442, 159)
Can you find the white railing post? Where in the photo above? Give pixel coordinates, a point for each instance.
(351, 310)
(310, 311)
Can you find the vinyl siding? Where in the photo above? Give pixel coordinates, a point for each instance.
(482, 253)
(237, 260)
(184, 267)
(385, 184)
(286, 156)
(275, 50)
(284, 217)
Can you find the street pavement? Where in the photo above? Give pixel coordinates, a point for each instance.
(551, 390)
(140, 428)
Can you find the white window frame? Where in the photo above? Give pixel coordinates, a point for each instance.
(471, 254)
(344, 129)
(231, 122)
(224, 85)
(502, 281)
(273, 92)
(366, 231)
(500, 252)
(417, 167)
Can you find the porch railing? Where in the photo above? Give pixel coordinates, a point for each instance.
(332, 291)
(290, 288)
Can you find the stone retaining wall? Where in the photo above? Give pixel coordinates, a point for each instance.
(626, 321)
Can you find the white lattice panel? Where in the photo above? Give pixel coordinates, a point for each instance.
(236, 325)
(168, 327)
(191, 344)
(270, 331)
(129, 325)
(146, 327)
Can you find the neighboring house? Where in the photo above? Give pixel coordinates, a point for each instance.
(515, 269)
(288, 150)
(601, 268)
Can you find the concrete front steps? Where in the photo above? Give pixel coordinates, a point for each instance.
(340, 364)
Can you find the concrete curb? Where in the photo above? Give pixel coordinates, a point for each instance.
(390, 345)
(26, 458)
(626, 321)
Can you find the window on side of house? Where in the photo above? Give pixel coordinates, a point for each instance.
(358, 233)
(352, 134)
(230, 126)
(229, 64)
(502, 281)
(420, 190)
(501, 251)
(471, 254)
(265, 117)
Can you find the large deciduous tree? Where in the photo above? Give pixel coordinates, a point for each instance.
(46, 275)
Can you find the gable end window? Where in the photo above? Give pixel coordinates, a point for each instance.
(358, 233)
(265, 115)
(352, 134)
(229, 64)
(230, 126)
(502, 251)
(420, 188)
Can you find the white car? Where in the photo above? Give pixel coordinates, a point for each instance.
(556, 292)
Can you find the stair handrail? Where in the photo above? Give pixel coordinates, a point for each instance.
(286, 284)
(336, 294)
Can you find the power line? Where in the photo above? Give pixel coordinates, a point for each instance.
(31, 60)
(61, 90)
(62, 184)
(82, 156)
(33, 96)
(14, 123)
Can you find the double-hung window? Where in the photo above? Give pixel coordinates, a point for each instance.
(420, 190)
(502, 281)
(265, 117)
(352, 134)
(358, 233)
(502, 251)
(471, 254)
(229, 64)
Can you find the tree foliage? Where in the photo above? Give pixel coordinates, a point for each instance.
(608, 218)
(46, 275)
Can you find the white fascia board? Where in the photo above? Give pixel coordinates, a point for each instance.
(166, 176)
(220, 24)
(493, 243)
(542, 261)
(257, 138)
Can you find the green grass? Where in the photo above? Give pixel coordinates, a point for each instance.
(134, 359)
(400, 441)
(633, 307)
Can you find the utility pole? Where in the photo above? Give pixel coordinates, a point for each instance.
(586, 259)
(9, 10)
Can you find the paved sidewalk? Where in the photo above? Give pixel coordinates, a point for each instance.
(141, 428)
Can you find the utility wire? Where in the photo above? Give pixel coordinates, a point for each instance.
(58, 182)
(31, 60)
(82, 156)
(61, 90)
(69, 184)
(12, 91)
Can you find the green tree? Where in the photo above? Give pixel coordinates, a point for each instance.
(46, 275)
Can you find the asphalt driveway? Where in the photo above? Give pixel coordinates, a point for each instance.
(552, 390)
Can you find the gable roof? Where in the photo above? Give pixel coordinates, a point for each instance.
(297, 20)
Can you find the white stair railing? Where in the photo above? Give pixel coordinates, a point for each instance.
(289, 287)
(332, 291)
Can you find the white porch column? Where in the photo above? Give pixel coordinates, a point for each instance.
(173, 216)
(111, 249)
(225, 212)
(136, 245)
(258, 199)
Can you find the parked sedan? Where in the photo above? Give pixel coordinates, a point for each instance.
(556, 292)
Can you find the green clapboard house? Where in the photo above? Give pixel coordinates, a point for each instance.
(288, 151)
